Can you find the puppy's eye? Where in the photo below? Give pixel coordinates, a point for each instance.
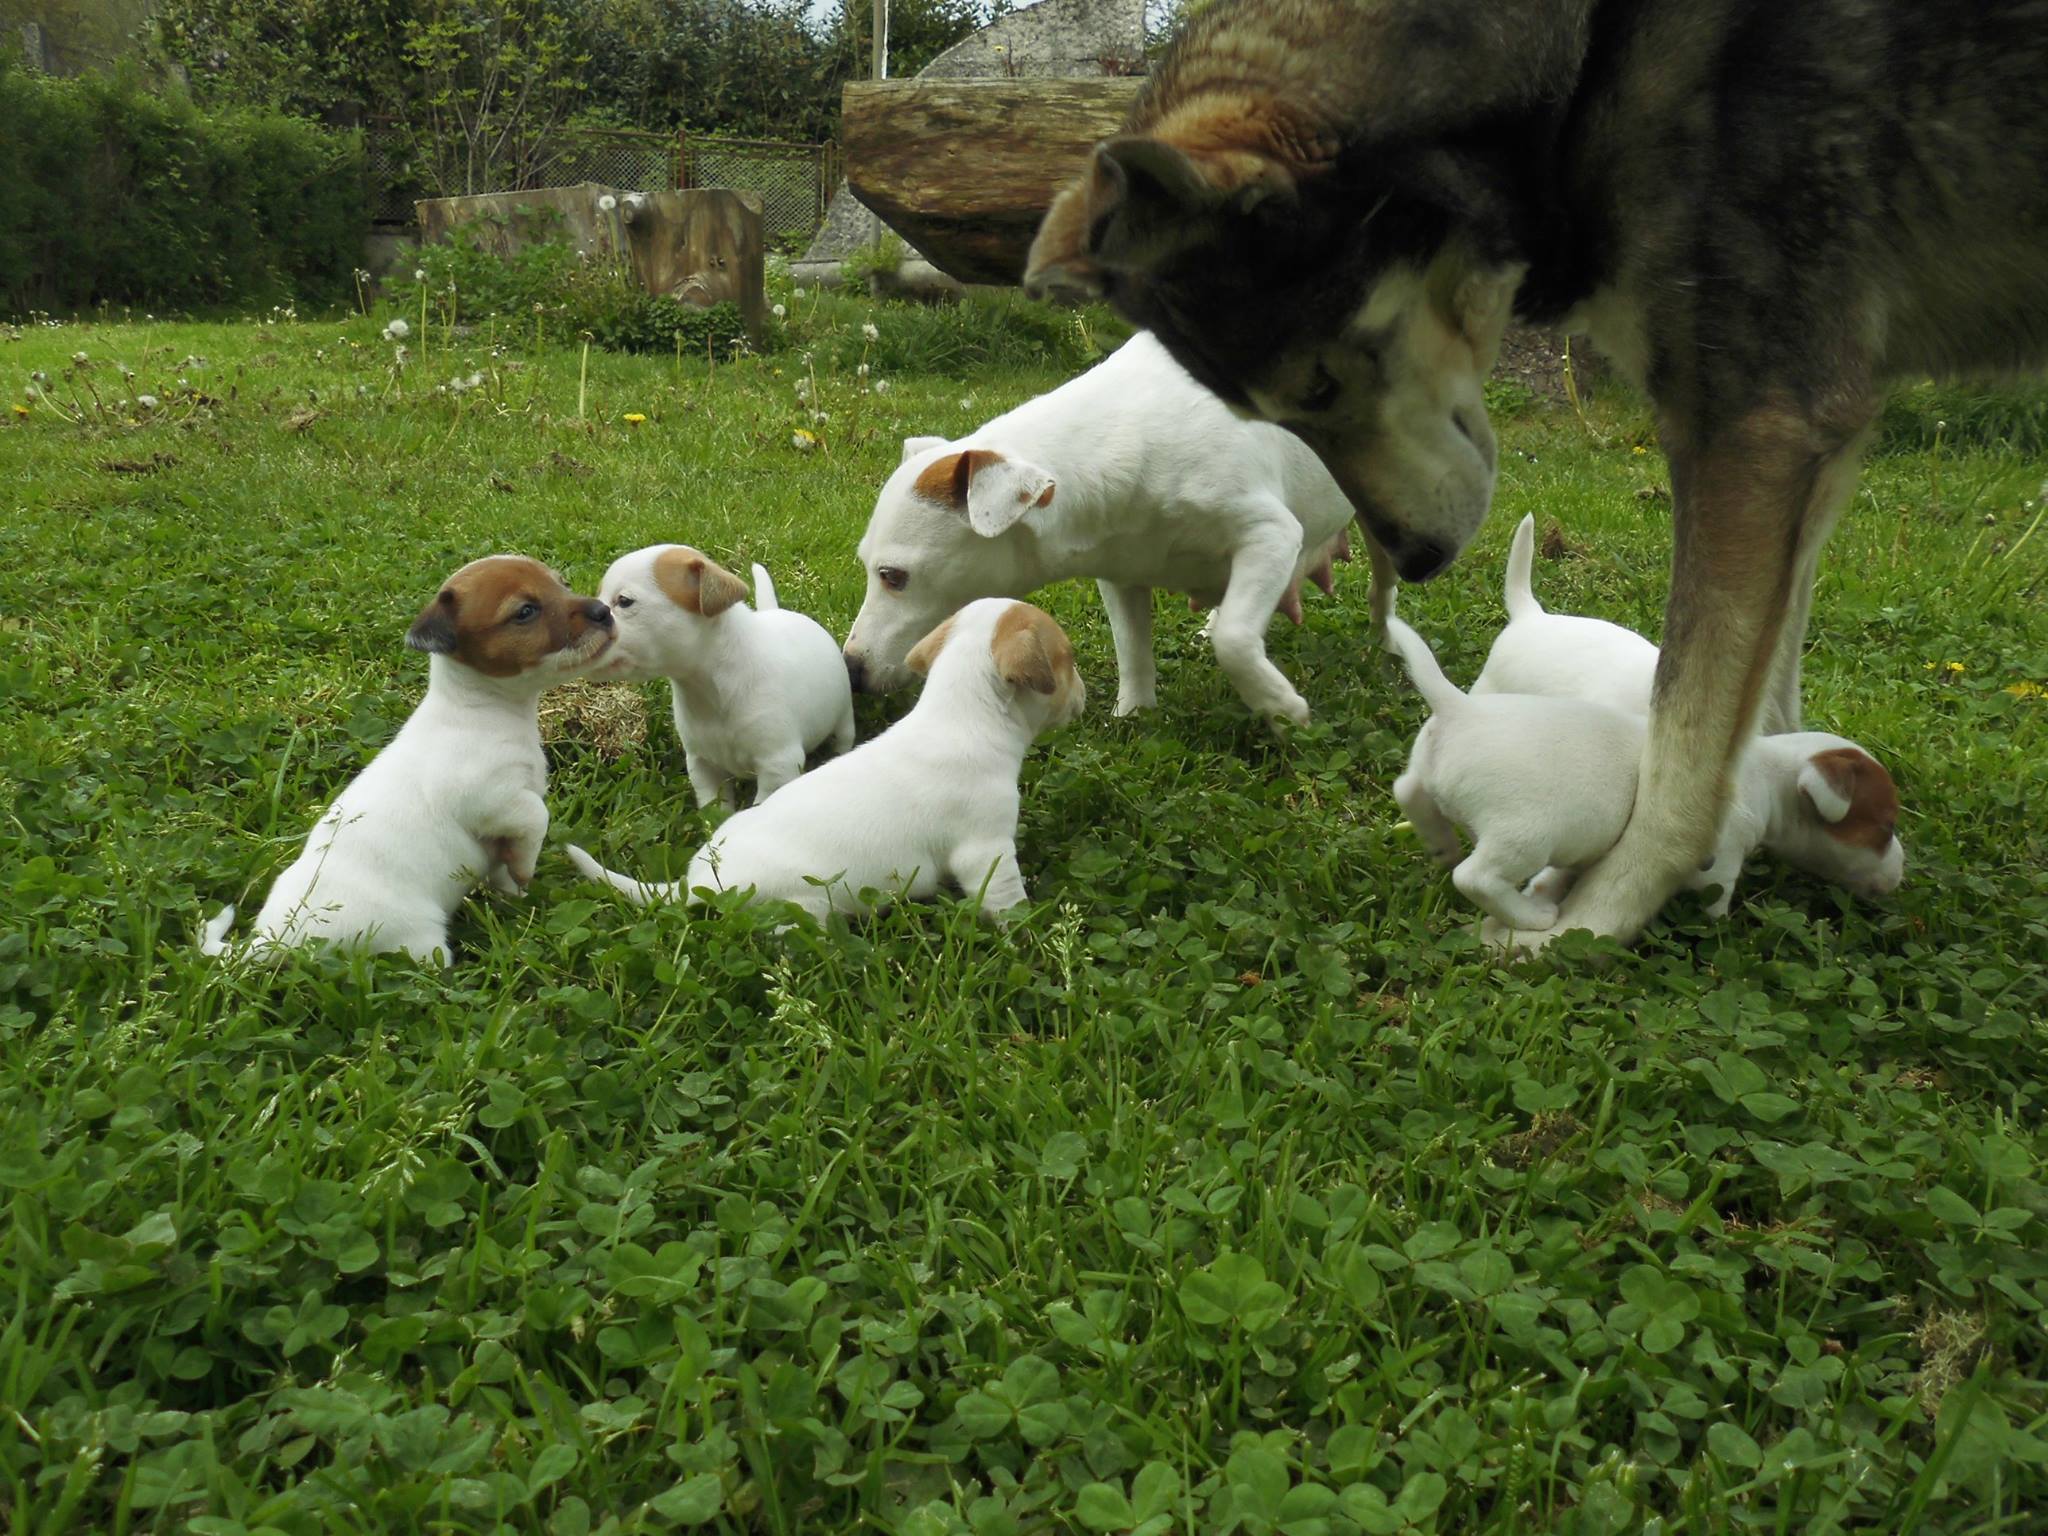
(527, 613)
(892, 578)
(1322, 391)
(622, 601)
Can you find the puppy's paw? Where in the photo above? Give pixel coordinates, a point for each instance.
(505, 883)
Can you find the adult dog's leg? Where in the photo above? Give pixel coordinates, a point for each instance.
(1130, 627)
(1832, 491)
(1741, 503)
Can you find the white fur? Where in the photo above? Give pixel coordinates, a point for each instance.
(753, 691)
(457, 797)
(1778, 801)
(932, 799)
(1147, 481)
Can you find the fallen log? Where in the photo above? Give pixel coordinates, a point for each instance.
(965, 169)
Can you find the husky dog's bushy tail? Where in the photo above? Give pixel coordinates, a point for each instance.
(1439, 692)
(764, 590)
(635, 891)
(213, 935)
(1518, 594)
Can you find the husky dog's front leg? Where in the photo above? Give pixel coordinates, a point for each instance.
(1130, 626)
(1741, 502)
(1260, 571)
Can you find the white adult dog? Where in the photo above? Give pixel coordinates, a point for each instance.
(1131, 474)
(754, 691)
(932, 799)
(458, 795)
(1818, 801)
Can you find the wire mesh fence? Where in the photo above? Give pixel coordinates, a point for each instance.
(795, 182)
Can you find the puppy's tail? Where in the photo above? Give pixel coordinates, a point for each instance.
(1438, 691)
(764, 590)
(213, 936)
(1519, 595)
(636, 892)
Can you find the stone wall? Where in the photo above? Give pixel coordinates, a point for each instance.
(69, 37)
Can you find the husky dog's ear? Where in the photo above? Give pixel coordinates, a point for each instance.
(697, 584)
(926, 651)
(434, 630)
(994, 491)
(1141, 201)
(913, 446)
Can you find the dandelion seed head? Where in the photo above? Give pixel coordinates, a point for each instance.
(147, 402)
(779, 312)
(869, 333)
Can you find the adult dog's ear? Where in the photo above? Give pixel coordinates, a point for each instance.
(434, 630)
(926, 651)
(913, 446)
(993, 490)
(1142, 201)
(695, 583)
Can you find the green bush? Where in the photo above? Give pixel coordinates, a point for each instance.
(549, 293)
(116, 196)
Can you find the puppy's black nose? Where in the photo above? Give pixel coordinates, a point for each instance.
(598, 614)
(856, 672)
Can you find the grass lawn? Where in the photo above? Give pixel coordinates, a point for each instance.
(1234, 1188)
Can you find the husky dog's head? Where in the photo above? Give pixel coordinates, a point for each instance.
(1336, 256)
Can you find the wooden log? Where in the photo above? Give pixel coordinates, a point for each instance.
(965, 169)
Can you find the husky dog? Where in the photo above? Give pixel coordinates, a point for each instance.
(1763, 214)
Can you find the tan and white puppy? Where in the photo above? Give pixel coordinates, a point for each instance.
(932, 800)
(1132, 475)
(457, 796)
(1818, 801)
(754, 691)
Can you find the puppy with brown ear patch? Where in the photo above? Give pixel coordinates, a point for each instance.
(457, 795)
(931, 800)
(754, 691)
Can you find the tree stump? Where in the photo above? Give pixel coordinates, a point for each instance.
(965, 169)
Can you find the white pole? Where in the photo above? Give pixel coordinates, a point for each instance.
(881, 39)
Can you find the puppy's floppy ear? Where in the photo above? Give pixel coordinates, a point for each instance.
(1829, 785)
(926, 651)
(434, 630)
(913, 446)
(1020, 653)
(992, 490)
(697, 584)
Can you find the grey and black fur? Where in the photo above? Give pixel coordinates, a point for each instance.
(1763, 212)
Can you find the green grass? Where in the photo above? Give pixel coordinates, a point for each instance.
(1233, 1188)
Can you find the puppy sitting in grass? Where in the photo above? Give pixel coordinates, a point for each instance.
(457, 796)
(753, 692)
(932, 799)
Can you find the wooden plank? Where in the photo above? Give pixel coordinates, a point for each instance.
(965, 169)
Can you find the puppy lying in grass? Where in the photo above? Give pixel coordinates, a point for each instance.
(933, 798)
(753, 692)
(457, 796)
(1818, 801)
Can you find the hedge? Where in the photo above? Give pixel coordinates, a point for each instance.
(114, 195)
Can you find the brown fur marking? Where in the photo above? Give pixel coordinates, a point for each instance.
(1032, 651)
(926, 651)
(1873, 798)
(945, 480)
(473, 618)
(696, 583)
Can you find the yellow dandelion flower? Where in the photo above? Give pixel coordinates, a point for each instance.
(634, 418)
(2023, 689)
(803, 441)
(20, 410)
(1639, 448)
(1953, 668)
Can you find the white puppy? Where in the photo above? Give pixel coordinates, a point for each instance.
(753, 692)
(457, 795)
(1132, 474)
(934, 798)
(1819, 802)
